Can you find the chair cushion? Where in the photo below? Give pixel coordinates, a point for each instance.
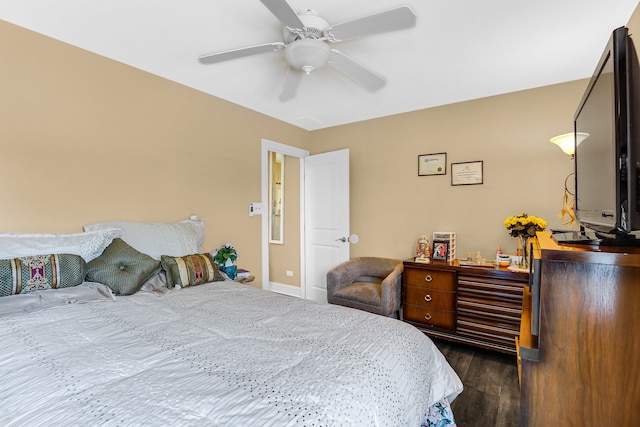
(363, 292)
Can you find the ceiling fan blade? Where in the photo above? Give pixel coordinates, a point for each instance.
(290, 85)
(399, 18)
(239, 53)
(356, 71)
(284, 13)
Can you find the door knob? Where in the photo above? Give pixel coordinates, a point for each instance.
(353, 239)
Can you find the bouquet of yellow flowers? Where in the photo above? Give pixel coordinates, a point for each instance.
(524, 225)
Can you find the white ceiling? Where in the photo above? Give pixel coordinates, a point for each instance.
(459, 50)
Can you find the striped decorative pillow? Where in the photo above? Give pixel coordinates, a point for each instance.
(35, 273)
(190, 270)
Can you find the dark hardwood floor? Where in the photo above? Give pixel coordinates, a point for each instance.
(491, 396)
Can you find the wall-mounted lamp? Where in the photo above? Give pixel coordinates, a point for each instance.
(566, 142)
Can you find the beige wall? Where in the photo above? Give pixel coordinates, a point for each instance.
(86, 139)
(391, 206)
(634, 24)
(523, 172)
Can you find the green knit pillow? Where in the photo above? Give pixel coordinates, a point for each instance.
(122, 268)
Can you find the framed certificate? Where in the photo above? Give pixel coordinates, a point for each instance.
(432, 164)
(467, 173)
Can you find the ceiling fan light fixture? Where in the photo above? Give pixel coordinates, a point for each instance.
(307, 55)
(307, 38)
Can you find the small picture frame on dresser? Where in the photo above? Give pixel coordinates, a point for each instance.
(440, 250)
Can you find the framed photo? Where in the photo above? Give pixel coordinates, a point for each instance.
(432, 164)
(440, 250)
(467, 173)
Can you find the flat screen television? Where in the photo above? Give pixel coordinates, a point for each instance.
(606, 161)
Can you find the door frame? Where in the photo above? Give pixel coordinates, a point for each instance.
(288, 150)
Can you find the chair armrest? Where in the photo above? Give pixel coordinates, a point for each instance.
(392, 287)
(395, 275)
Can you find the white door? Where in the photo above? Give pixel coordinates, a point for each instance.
(326, 216)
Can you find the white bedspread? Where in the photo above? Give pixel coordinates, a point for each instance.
(217, 354)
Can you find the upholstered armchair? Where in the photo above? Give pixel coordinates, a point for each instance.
(368, 283)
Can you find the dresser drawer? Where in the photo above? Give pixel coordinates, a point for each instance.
(429, 317)
(429, 298)
(437, 279)
(491, 288)
(489, 331)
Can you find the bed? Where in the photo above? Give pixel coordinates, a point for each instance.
(212, 353)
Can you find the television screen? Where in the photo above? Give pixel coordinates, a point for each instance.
(607, 171)
(596, 154)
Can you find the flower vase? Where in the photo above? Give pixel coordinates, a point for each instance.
(524, 243)
(230, 270)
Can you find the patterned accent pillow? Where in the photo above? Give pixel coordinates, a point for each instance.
(122, 268)
(34, 273)
(190, 270)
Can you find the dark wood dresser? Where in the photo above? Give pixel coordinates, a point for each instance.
(474, 305)
(580, 337)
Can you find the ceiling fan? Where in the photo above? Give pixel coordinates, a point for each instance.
(306, 43)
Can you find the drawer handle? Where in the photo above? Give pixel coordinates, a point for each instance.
(427, 298)
(427, 316)
(428, 278)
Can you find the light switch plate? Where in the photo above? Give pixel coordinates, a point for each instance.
(255, 209)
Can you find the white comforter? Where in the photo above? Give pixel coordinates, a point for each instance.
(217, 354)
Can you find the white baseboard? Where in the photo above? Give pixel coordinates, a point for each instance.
(281, 288)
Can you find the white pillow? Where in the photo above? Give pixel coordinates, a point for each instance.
(88, 245)
(157, 238)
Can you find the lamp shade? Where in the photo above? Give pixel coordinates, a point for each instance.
(568, 143)
(307, 54)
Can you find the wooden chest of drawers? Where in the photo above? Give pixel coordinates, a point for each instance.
(478, 306)
(429, 297)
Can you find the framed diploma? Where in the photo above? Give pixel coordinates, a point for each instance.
(432, 164)
(467, 173)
